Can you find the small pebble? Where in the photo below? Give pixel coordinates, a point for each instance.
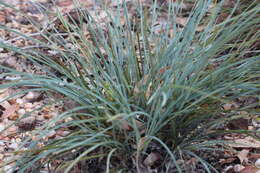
(18, 140)
(38, 106)
(8, 169)
(51, 134)
(256, 123)
(21, 111)
(228, 168)
(10, 62)
(1, 156)
(2, 127)
(62, 133)
(58, 137)
(28, 110)
(28, 105)
(33, 96)
(68, 119)
(19, 101)
(13, 145)
(250, 127)
(257, 163)
(227, 106)
(29, 96)
(34, 138)
(40, 145)
(40, 118)
(238, 168)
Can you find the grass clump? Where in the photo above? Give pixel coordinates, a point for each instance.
(138, 91)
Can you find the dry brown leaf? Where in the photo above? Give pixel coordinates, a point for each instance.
(200, 28)
(5, 104)
(228, 160)
(3, 94)
(11, 131)
(64, 3)
(2, 17)
(3, 90)
(139, 84)
(13, 116)
(242, 155)
(141, 143)
(249, 169)
(247, 142)
(124, 124)
(254, 156)
(10, 111)
(182, 20)
(152, 158)
(47, 116)
(238, 124)
(27, 123)
(193, 161)
(148, 91)
(227, 106)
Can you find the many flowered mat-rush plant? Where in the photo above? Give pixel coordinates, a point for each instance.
(136, 87)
